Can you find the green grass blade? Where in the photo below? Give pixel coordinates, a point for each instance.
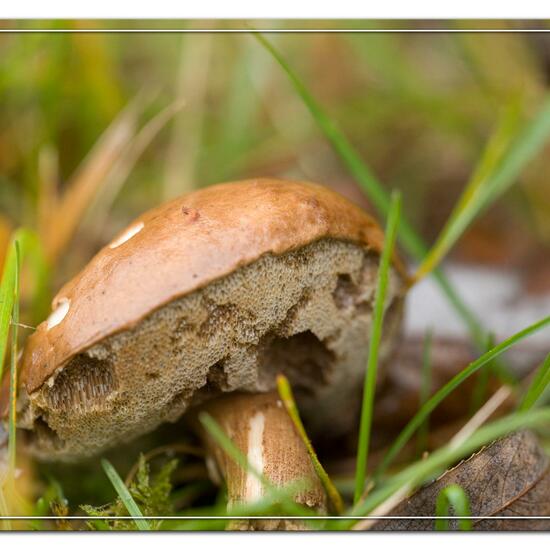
(29, 251)
(499, 168)
(469, 204)
(538, 385)
(452, 495)
(425, 389)
(12, 423)
(7, 299)
(423, 470)
(524, 148)
(440, 395)
(287, 397)
(125, 496)
(375, 337)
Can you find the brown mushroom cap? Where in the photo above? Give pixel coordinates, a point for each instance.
(215, 291)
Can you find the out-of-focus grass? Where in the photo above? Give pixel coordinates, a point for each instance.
(414, 106)
(498, 169)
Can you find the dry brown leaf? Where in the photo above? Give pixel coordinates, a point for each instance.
(510, 477)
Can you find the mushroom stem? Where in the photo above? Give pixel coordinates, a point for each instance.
(262, 430)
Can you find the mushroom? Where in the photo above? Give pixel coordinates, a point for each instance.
(200, 303)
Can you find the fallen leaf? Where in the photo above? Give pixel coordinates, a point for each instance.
(510, 477)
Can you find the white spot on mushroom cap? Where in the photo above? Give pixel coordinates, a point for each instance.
(255, 456)
(127, 235)
(58, 314)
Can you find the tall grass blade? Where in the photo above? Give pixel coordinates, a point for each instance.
(7, 299)
(13, 369)
(453, 495)
(24, 245)
(470, 202)
(499, 168)
(31, 252)
(343, 147)
(287, 397)
(375, 337)
(538, 385)
(443, 392)
(125, 496)
(9, 317)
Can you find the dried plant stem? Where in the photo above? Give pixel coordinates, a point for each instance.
(481, 416)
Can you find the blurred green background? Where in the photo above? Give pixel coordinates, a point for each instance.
(95, 128)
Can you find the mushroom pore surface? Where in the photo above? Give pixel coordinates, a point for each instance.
(305, 313)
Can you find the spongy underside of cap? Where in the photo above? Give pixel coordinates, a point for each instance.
(305, 313)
